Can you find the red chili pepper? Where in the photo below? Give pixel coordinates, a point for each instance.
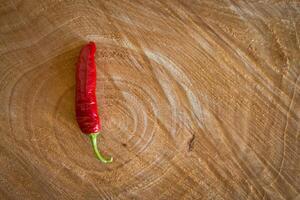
(86, 102)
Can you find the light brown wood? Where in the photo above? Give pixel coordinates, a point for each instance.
(199, 99)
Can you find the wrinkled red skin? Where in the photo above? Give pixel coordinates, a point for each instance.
(86, 102)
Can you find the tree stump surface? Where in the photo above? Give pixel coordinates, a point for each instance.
(198, 99)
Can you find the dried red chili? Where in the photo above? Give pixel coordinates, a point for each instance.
(86, 102)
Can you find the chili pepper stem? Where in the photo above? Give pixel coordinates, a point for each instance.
(93, 138)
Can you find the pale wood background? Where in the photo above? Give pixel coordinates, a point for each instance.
(199, 99)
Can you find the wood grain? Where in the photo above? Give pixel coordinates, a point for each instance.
(199, 99)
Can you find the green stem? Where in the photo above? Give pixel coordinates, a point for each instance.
(93, 138)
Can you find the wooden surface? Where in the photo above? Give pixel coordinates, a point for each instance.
(199, 99)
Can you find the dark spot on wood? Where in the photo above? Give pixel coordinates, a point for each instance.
(124, 144)
(190, 143)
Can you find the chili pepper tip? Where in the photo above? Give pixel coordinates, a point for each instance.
(93, 138)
